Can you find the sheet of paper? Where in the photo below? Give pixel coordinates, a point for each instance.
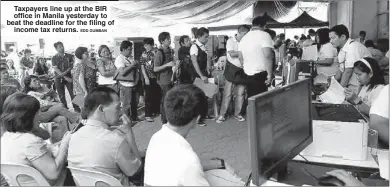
(309, 53)
(383, 159)
(334, 94)
(208, 88)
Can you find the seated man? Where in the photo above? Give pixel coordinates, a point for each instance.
(97, 147)
(170, 159)
(379, 115)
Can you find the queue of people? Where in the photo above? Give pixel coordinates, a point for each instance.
(110, 91)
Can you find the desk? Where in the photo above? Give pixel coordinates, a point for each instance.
(369, 164)
(298, 177)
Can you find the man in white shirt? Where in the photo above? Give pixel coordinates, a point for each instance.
(351, 52)
(101, 145)
(198, 54)
(231, 88)
(379, 115)
(200, 61)
(170, 159)
(129, 94)
(257, 53)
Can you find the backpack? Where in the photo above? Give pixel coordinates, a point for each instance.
(184, 74)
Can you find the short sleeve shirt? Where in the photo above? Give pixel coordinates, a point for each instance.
(27, 62)
(232, 45)
(120, 62)
(103, 150)
(369, 96)
(164, 77)
(108, 65)
(354, 51)
(146, 60)
(328, 51)
(251, 46)
(63, 62)
(21, 148)
(380, 106)
(171, 161)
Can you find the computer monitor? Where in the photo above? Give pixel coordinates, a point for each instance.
(280, 127)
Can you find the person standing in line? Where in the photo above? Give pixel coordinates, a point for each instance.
(152, 89)
(163, 63)
(257, 54)
(106, 67)
(129, 93)
(185, 73)
(230, 88)
(27, 63)
(62, 64)
(200, 61)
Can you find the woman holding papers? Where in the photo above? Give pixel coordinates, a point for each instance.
(327, 54)
(372, 82)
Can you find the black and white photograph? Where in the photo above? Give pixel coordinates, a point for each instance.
(195, 93)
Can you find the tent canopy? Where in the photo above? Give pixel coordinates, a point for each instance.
(164, 13)
(271, 23)
(305, 20)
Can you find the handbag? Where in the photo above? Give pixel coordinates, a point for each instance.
(234, 74)
(132, 76)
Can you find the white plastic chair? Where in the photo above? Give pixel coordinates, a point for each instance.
(12, 172)
(84, 177)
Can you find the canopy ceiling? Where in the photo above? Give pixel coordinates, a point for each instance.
(170, 12)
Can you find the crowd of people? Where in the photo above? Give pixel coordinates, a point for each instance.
(105, 91)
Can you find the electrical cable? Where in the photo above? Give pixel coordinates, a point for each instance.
(249, 179)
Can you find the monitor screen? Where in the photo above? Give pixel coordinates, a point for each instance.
(280, 127)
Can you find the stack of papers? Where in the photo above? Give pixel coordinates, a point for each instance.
(335, 93)
(209, 89)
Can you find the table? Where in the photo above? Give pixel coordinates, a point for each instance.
(298, 176)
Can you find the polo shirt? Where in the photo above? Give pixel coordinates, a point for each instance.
(369, 96)
(232, 45)
(164, 77)
(171, 161)
(98, 148)
(251, 46)
(380, 106)
(120, 62)
(63, 62)
(354, 51)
